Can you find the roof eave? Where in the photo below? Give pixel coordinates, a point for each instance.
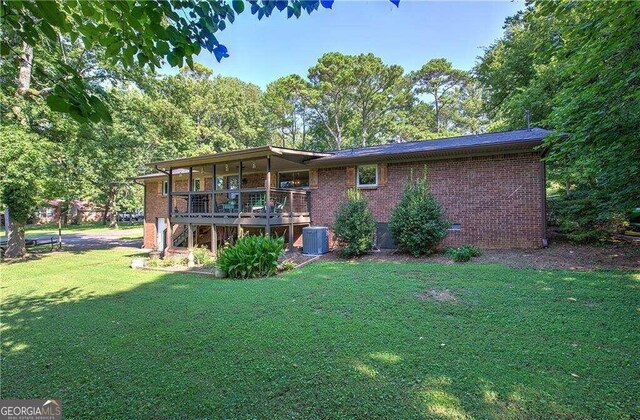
(215, 157)
(235, 155)
(439, 154)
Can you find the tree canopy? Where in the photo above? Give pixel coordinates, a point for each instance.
(574, 66)
(135, 34)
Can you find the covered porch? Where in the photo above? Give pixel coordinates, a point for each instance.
(225, 195)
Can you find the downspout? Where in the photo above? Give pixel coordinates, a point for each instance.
(144, 206)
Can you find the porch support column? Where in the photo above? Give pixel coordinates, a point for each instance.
(213, 193)
(214, 240)
(190, 245)
(169, 190)
(267, 227)
(169, 236)
(291, 237)
(190, 189)
(290, 220)
(239, 188)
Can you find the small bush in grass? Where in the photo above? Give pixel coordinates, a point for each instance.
(288, 265)
(251, 256)
(211, 264)
(201, 255)
(463, 253)
(354, 225)
(417, 223)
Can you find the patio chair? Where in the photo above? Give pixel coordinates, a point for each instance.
(280, 206)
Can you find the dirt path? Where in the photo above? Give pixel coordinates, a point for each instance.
(624, 256)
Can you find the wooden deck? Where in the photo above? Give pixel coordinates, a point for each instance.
(245, 207)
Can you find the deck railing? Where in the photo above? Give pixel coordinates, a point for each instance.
(248, 202)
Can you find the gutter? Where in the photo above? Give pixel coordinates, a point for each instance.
(160, 170)
(448, 153)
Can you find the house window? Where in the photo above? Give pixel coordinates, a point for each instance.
(233, 184)
(196, 184)
(293, 179)
(454, 226)
(165, 188)
(219, 183)
(367, 176)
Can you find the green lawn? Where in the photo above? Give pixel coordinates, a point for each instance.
(334, 339)
(51, 229)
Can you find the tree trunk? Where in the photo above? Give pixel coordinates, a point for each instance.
(437, 109)
(364, 130)
(15, 231)
(304, 131)
(15, 237)
(113, 219)
(24, 70)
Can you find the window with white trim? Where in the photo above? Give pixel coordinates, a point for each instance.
(165, 187)
(196, 184)
(367, 176)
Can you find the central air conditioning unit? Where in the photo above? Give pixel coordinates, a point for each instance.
(315, 240)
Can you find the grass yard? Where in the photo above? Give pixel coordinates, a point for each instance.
(334, 339)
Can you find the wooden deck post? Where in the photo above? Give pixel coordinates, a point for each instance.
(267, 227)
(239, 188)
(213, 193)
(190, 189)
(169, 190)
(214, 240)
(291, 221)
(169, 239)
(290, 236)
(190, 245)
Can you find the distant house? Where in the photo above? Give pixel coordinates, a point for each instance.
(79, 211)
(491, 186)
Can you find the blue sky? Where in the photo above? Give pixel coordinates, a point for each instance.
(411, 35)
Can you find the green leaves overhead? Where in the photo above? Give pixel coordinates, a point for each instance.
(133, 33)
(238, 6)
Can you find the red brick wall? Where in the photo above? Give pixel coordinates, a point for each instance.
(155, 206)
(497, 200)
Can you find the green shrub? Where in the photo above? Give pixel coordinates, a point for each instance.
(251, 256)
(579, 216)
(288, 265)
(354, 226)
(463, 253)
(475, 251)
(417, 223)
(201, 255)
(211, 264)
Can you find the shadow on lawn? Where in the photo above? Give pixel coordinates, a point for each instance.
(185, 346)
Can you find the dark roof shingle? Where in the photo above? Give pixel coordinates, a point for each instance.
(504, 138)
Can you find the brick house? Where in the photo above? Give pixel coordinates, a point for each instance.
(491, 186)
